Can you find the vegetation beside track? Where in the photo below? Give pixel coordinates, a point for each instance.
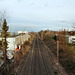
(66, 53)
(18, 56)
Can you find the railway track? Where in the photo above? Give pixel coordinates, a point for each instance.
(44, 58)
(36, 63)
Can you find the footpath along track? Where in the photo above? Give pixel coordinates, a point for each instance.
(36, 62)
(51, 60)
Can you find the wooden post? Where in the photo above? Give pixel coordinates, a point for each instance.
(57, 52)
(57, 63)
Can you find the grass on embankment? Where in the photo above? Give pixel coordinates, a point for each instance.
(66, 53)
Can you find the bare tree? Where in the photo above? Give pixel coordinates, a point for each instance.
(3, 15)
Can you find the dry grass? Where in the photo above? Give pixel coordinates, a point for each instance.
(17, 57)
(48, 36)
(67, 58)
(25, 50)
(67, 53)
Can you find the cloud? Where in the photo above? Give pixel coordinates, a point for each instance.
(32, 3)
(63, 21)
(46, 4)
(57, 28)
(19, 0)
(21, 25)
(30, 13)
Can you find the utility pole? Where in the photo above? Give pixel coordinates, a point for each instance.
(57, 63)
(57, 52)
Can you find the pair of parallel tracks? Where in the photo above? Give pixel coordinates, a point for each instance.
(35, 63)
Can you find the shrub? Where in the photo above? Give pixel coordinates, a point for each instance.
(26, 43)
(55, 38)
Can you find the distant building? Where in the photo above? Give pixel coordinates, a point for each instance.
(11, 43)
(25, 32)
(71, 33)
(22, 32)
(71, 39)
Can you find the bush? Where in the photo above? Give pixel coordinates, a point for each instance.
(17, 57)
(67, 57)
(55, 38)
(26, 43)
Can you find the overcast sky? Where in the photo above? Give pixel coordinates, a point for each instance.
(35, 15)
